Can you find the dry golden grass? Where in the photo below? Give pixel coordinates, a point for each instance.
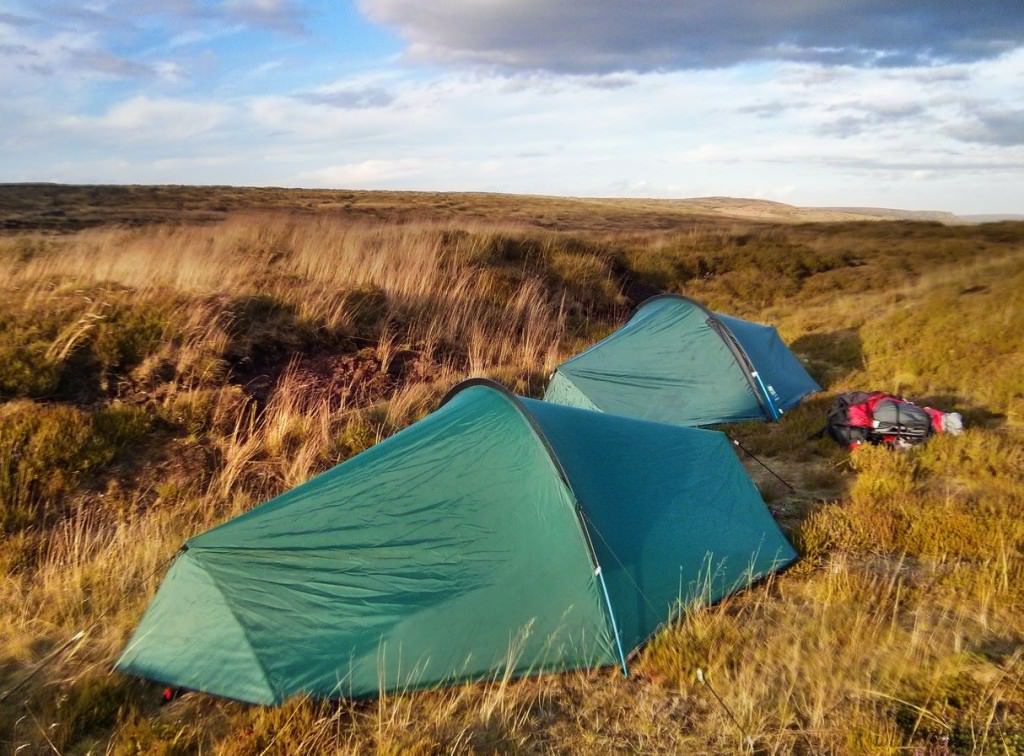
(157, 380)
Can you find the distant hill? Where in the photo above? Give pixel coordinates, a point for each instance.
(778, 212)
(885, 213)
(68, 208)
(996, 218)
(756, 209)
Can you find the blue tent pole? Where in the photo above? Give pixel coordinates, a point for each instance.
(768, 398)
(615, 627)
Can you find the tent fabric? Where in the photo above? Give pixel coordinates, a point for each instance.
(413, 563)
(672, 513)
(497, 534)
(782, 373)
(676, 362)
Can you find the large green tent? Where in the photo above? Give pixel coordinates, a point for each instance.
(496, 534)
(677, 362)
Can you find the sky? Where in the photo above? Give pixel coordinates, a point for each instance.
(916, 104)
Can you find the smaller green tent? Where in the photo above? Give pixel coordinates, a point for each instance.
(497, 533)
(677, 362)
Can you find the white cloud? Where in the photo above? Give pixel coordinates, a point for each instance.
(997, 126)
(266, 67)
(281, 15)
(796, 131)
(151, 118)
(366, 174)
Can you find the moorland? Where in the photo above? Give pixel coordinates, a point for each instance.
(173, 356)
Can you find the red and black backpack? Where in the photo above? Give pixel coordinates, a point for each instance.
(876, 417)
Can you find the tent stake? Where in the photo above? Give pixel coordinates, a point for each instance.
(707, 683)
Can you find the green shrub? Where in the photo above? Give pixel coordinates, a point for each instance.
(69, 344)
(118, 426)
(201, 411)
(360, 432)
(26, 371)
(587, 278)
(831, 355)
(127, 335)
(901, 503)
(46, 450)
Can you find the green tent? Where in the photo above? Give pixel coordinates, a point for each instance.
(496, 534)
(677, 362)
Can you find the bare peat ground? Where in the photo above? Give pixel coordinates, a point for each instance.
(172, 356)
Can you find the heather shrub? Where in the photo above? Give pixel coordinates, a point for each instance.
(46, 450)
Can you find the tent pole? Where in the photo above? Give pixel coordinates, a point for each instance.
(615, 627)
(775, 414)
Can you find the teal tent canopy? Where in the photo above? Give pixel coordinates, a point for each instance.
(677, 362)
(496, 535)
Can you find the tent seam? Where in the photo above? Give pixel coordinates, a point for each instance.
(741, 358)
(568, 379)
(588, 543)
(234, 616)
(732, 343)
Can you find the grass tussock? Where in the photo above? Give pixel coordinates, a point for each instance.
(157, 378)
